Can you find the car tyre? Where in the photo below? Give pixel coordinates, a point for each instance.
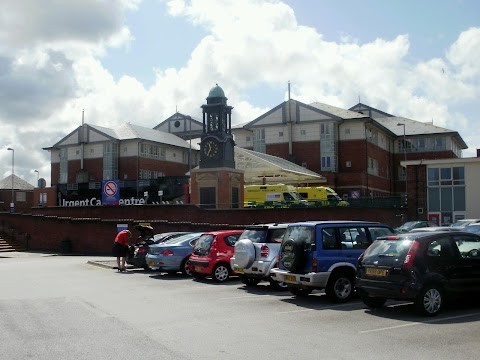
(248, 281)
(373, 302)
(340, 287)
(184, 268)
(221, 272)
(279, 286)
(430, 300)
(299, 291)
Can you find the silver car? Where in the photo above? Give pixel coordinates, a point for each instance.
(256, 253)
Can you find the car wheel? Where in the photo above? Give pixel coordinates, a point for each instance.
(184, 268)
(248, 281)
(198, 276)
(373, 302)
(299, 292)
(221, 272)
(430, 300)
(340, 287)
(279, 286)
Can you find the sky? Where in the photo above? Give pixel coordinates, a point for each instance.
(140, 61)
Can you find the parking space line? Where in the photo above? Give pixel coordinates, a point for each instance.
(246, 297)
(418, 323)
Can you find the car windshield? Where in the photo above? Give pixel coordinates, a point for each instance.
(388, 248)
(408, 225)
(461, 223)
(179, 239)
(203, 244)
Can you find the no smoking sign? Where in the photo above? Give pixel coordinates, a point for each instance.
(110, 188)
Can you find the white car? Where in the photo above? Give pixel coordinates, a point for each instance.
(256, 253)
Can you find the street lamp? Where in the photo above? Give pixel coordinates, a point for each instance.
(12, 204)
(37, 175)
(405, 157)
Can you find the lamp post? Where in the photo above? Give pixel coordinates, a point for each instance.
(12, 203)
(405, 158)
(37, 175)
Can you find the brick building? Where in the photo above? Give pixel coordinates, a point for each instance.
(358, 150)
(143, 159)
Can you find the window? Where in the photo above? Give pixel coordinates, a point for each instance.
(372, 166)
(63, 166)
(152, 151)
(21, 196)
(280, 134)
(468, 246)
(401, 173)
(329, 241)
(259, 140)
(328, 148)
(248, 139)
(110, 161)
(303, 132)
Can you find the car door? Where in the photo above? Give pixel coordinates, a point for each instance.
(468, 247)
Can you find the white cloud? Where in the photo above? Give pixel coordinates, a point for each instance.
(50, 70)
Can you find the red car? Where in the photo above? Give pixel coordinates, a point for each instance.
(211, 255)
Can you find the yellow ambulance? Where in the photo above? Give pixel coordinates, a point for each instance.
(321, 196)
(279, 195)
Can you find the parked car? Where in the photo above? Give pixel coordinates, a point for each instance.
(136, 253)
(410, 225)
(460, 224)
(323, 255)
(172, 255)
(256, 253)
(432, 228)
(425, 268)
(473, 228)
(211, 255)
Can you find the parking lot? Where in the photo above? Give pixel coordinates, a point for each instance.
(76, 307)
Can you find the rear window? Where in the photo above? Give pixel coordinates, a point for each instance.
(302, 233)
(203, 244)
(388, 248)
(255, 235)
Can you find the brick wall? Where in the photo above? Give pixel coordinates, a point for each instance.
(91, 230)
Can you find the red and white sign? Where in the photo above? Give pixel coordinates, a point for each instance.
(110, 188)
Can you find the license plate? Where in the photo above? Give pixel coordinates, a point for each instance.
(198, 269)
(290, 278)
(376, 272)
(151, 263)
(239, 270)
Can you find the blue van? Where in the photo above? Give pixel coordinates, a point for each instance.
(323, 255)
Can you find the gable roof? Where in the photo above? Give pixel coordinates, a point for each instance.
(123, 132)
(259, 166)
(181, 125)
(18, 183)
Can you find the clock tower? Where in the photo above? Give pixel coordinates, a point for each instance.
(216, 184)
(217, 145)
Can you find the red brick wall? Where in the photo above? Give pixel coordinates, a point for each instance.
(91, 230)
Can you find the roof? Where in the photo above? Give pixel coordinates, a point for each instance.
(18, 183)
(130, 132)
(216, 92)
(259, 166)
(416, 128)
(339, 112)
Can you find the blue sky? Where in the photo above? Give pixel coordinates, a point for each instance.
(138, 61)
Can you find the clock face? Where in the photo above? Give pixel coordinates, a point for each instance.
(210, 148)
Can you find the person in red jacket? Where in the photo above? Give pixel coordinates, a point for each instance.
(120, 248)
